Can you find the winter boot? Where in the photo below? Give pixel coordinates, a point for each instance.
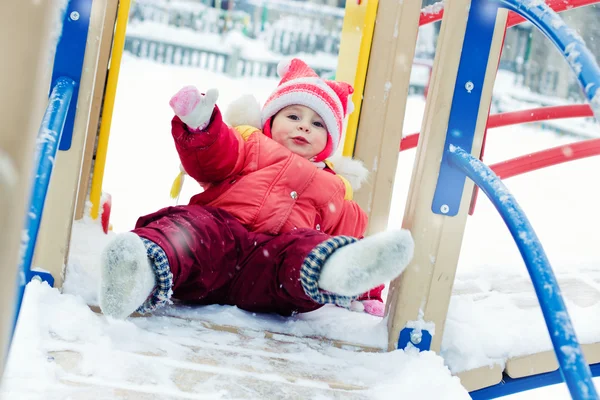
(127, 276)
(357, 267)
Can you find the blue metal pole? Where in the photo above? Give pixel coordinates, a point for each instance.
(574, 369)
(568, 42)
(47, 146)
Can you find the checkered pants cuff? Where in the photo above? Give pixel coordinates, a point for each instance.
(311, 271)
(161, 294)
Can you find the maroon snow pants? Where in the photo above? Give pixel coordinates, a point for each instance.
(214, 259)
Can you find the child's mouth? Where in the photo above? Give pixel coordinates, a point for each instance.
(300, 140)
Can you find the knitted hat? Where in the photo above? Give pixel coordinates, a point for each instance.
(301, 85)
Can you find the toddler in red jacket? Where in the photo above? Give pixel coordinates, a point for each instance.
(275, 229)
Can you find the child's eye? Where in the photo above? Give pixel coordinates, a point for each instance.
(318, 124)
(293, 117)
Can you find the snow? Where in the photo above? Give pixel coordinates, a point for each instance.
(493, 313)
(433, 8)
(572, 55)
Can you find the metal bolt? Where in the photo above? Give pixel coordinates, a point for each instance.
(444, 208)
(74, 15)
(416, 337)
(469, 86)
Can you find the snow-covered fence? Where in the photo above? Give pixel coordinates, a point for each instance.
(289, 34)
(290, 42)
(216, 61)
(196, 16)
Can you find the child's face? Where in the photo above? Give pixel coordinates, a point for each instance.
(300, 130)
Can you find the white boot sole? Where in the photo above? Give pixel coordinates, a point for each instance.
(363, 265)
(127, 279)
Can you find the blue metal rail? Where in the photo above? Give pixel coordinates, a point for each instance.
(515, 385)
(55, 133)
(48, 140)
(573, 366)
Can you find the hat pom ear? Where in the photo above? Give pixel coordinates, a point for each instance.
(243, 111)
(283, 67)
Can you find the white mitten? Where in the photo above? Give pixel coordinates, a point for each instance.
(194, 108)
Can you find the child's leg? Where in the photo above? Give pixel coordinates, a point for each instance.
(301, 270)
(188, 250)
(269, 280)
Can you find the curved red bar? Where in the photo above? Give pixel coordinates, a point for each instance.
(517, 117)
(556, 5)
(547, 158)
(540, 114)
(427, 16)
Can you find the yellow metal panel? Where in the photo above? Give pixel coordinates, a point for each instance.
(352, 31)
(107, 110)
(353, 59)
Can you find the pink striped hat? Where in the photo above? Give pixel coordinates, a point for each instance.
(301, 85)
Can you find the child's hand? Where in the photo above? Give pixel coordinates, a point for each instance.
(194, 108)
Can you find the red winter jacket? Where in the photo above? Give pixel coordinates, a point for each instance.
(262, 184)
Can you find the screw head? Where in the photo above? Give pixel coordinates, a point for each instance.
(469, 86)
(74, 15)
(416, 337)
(444, 208)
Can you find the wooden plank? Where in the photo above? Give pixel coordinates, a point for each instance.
(55, 231)
(382, 112)
(203, 364)
(340, 344)
(270, 367)
(26, 32)
(96, 107)
(481, 377)
(423, 291)
(539, 363)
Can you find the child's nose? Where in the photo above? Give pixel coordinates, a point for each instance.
(303, 126)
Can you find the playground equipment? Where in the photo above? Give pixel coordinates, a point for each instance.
(76, 82)
(378, 60)
(23, 82)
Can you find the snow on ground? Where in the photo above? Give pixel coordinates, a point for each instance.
(142, 162)
(52, 323)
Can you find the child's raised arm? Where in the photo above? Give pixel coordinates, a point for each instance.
(210, 151)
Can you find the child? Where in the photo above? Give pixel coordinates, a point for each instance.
(274, 230)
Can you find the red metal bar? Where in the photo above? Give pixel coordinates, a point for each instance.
(429, 14)
(517, 117)
(547, 158)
